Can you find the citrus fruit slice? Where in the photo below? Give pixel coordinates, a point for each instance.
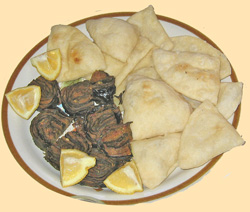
(125, 180)
(24, 100)
(48, 64)
(74, 166)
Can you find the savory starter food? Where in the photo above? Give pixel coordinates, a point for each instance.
(50, 95)
(96, 127)
(134, 101)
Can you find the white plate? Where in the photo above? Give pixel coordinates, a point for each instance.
(30, 157)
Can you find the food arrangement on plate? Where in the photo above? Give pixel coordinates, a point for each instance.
(128, 107)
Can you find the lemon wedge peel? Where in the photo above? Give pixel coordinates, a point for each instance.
(48, 64)
(125, 180)
(24, 100)
(74, 166)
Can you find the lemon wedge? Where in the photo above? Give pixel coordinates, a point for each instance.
(125, 180)
(25, 100)
(74, 166)
(48, 64)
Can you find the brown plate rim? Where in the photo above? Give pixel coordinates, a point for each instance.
(110, 202)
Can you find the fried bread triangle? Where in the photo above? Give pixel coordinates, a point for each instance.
(194, 75)
(206, 135)
(156, 158)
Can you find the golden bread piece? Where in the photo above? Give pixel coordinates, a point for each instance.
(206, 135)
(194, 75)
(153, 107)
(156, 158)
